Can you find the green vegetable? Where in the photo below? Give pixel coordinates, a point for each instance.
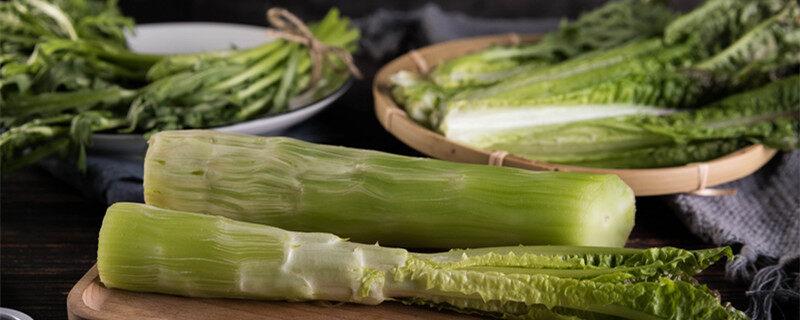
(768, 115)
(718, 23)
(605, 84)
(596, 65)
(65, 58)
(420, 97)
(775, 41)
(587, 110)
(614, 24)
(44, 137)
(65, 45)
(371, 196)
(437, 107)
(144, 248)
(207, 90)
(64, 73)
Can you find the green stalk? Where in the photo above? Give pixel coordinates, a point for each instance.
(50, 103)
(54, 12)
(371, 196)
(256, 106)
(101, 50)
(287, 81)
(264, 65)
(181, 63)
(260, 85)
(251, 55)
(144, 248)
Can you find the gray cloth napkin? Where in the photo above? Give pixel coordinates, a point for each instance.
(764, 216)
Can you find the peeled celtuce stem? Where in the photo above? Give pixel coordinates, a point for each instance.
(370, 196)
(144, 248)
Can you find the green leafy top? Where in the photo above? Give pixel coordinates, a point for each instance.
(717, 23)
(614, 24)
(661, 298)
(599, 264)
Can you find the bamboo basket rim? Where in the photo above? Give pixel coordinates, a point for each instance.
(694, 177)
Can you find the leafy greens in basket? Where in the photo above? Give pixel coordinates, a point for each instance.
(767, 115)
(144, 248)
(616, 23)
(580, 111)
(65, 72)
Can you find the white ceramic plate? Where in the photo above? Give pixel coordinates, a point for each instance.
(190, 37)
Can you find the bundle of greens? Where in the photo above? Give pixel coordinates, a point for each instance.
(768, 115)
(370, 196)
(613, 24)
(144, 248)
(207, 90)
(529, 114)
(65, 72)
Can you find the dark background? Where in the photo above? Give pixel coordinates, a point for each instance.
(252, 11)
(49, 230)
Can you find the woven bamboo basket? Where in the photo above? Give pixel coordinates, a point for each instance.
(695, 177)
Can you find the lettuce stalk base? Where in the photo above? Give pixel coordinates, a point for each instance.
(143, 248)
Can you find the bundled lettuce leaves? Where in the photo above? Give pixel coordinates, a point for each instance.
(756, 43)
(430, 104)
(371, 196)
(639, 78)
(718, 23)
(144, 248)
(769, 48)
(769, 115)
(611, 25)
(614, 24)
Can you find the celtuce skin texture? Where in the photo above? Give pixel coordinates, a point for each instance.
(144, 248)
(370, 196)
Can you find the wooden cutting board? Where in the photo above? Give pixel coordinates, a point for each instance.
(89, 299)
